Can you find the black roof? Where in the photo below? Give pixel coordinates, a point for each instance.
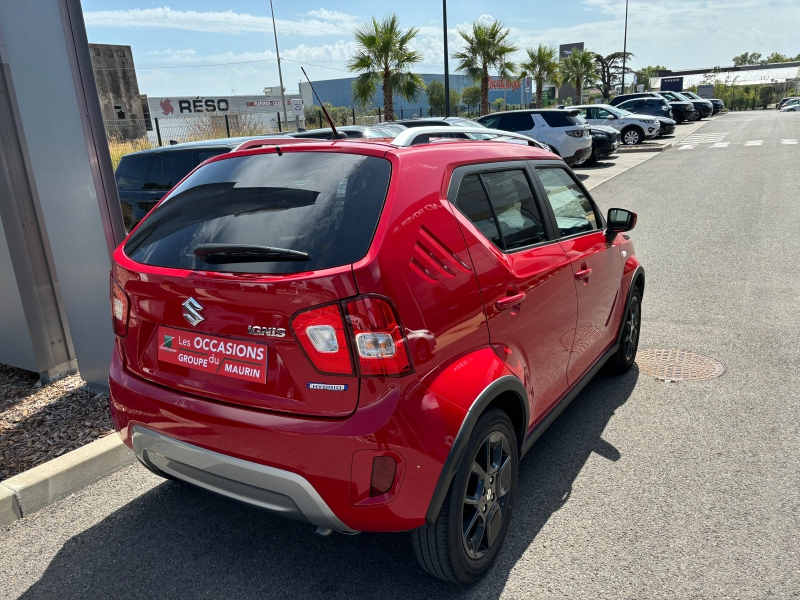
(231, 143)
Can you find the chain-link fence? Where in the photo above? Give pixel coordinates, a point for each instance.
(132, 135)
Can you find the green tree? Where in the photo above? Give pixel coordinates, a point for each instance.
(486, 48)
(471, 96)
(579, 69)
(435, 93)
(777, 57)
(383, 57)
(541, 66)
(609, 70)
(748, 58)
(499, 104)
(644, 74)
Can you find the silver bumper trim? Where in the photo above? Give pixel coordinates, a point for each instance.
(281, 492)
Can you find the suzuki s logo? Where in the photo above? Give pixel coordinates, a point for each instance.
(192, 313)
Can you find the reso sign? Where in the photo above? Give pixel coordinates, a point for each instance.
(208, 105)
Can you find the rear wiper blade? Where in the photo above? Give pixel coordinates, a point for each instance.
(218, 254)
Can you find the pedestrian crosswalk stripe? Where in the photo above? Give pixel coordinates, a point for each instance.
(788, 141)
(754, 142)
(720, 145)
(686, 147)
(704, 138)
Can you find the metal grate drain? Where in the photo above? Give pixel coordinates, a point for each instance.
(678, 365)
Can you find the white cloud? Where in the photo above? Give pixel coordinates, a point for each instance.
(314, 23)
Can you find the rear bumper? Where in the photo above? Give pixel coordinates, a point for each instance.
(278, 491)
(316, 470)
(579, 155)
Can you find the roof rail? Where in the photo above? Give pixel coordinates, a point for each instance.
(409, 136)
(270, 141)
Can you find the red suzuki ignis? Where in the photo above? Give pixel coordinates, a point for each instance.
(369, 335)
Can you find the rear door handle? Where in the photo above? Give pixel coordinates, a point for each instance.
(583, 274)
(509, 301)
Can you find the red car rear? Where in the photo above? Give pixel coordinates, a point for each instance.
(368, 336)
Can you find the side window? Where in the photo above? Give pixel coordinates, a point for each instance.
(204, 155)
(133, 171)
(491, 121)
(517, 214)
(472, 201)
(169, 169)
(516, 122)
(628, 105)
(573, 210)
(601, 114)
(639, 104)
(512, 220)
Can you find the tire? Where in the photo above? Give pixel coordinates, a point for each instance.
(679, 116)
(623, 359)
(632, 136)
(444, 550)
(695, 116)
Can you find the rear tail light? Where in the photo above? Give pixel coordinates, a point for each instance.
(322, 336)
(380, 343)
(576, 133)
(120, 309)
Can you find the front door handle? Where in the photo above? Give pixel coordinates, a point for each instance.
(509, 301)
(583, 274)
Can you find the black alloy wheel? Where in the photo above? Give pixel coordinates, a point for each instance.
(623, 359)
(486, 497)
(468, 534)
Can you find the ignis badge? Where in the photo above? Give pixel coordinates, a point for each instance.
(267, 331)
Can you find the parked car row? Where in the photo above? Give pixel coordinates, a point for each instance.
(683, 106)
(367, 334)
(783, 101)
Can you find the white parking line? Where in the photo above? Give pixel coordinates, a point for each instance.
(720, 145)
(704, 138)
(687, 147)
(754, 142)
(788, 142)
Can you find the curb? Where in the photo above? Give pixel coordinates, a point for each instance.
(31, 491)
(645, 148)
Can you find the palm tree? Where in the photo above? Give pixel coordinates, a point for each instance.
(383, 57)
(579, 69)
(541, 66)
(486, 48)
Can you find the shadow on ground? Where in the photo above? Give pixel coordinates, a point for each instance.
(178, 541)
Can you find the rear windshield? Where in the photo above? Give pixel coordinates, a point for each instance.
(561, 119)
(324, 204)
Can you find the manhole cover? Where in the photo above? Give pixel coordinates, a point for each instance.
(678, 365)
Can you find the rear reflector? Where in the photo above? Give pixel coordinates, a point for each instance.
(120, 309)
(320, 332)
(380, 342)
(383, 471)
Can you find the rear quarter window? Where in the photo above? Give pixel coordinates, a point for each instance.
(133, 171)
(561, 119)
(324, 204)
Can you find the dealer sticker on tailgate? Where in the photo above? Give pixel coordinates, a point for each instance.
(225, 357)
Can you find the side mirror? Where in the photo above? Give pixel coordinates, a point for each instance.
(611, 117)
(620, 220)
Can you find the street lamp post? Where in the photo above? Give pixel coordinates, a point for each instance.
(446, 63)
(624, 47)
(278, 54)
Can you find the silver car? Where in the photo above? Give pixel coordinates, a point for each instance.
(563, 130)
(633, 128)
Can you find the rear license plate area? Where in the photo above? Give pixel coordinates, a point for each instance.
(224, 357)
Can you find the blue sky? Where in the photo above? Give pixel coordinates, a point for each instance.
(678, 34)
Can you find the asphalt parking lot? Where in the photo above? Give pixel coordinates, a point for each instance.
(641, 489)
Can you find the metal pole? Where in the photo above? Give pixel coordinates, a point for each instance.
(227, 126)
(446, 62)
(624, 47)
(280, 75)
(354, 115)
(279, 122)
(158, 132)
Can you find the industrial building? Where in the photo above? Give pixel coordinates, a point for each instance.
(339, 92)
(117, 88)
(787, 73)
